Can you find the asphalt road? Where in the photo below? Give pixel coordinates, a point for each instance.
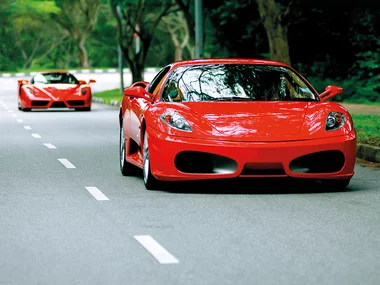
(67, 216)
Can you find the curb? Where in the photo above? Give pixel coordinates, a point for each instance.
(101, 100)
(368, 152)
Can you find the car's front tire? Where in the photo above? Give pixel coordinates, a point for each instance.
(150, 181)
(126, 168)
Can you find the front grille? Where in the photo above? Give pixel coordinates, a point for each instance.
(39, 103)
(203, 162)
(75, 102)
(58, 105)
(263, 169)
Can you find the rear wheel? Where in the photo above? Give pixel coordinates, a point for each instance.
(126, 168)
(150, 181)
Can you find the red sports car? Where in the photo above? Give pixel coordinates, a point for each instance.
(227, 118)
(54, 89)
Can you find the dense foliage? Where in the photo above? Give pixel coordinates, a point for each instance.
(331, 42)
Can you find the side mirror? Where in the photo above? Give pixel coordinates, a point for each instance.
(81, 82)
(22, 82)
(330, 91)
(140, 83)
(91, 81)
(139, 92)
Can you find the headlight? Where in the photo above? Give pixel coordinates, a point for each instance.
(176, 121)
(30, 92)
(334, 121)
(84, 91)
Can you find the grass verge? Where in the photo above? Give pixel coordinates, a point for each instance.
(109, 95)
(368, 129)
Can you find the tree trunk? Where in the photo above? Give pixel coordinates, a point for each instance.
(178, 52)
(83, 56)
(137, 73)
(276, 30)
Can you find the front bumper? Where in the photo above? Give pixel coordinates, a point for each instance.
(178, 158)
(70, 101)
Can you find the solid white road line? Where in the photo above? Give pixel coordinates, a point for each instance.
(155, 249)
(19, 121)
(66, 163)
(27, 128)
(49, 145)
(98, 195)
(37, 136)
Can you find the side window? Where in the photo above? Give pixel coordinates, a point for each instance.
(157, 79)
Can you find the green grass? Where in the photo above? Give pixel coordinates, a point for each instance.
(367, 126)
(109, 95)
(368, 129)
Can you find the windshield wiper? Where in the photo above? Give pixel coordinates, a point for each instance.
(232, 99)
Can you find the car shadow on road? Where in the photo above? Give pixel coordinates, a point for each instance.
(248, 186)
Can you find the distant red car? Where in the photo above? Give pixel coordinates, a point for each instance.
(54, 89)
(226, 118)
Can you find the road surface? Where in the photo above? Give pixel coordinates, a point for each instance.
(68, 216)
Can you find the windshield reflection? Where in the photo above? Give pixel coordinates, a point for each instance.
(235, 82)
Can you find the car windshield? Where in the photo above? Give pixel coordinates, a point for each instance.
(235, 82)
(55, 78)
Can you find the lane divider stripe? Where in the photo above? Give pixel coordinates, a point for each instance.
(155, 249)
(97, 194)
(66, 163)
(49, 145)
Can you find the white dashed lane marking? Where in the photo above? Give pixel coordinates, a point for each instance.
(36, 136)
(155, 249)
(49, 145)
(19, 121)
(98, 195)
(66, 163)
(14, 115)
(27, 128)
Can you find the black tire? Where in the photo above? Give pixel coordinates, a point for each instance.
(150, 182)
(126, 168)
(335, 184)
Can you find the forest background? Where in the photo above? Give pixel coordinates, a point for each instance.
(330, 42)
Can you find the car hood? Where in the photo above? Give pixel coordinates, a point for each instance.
(55, 91)
(248, 121)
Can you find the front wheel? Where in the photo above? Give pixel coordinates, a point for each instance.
(150, 181)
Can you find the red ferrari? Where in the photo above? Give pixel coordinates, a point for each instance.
(54, 89)
(229, 118)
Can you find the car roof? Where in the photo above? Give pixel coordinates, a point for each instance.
(227, 61)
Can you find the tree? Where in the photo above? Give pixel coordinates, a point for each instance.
(78, 18)
(35, 34)
(276, 24)
(8, 52)
(185, 7)
(137, 21)
(176, 26)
